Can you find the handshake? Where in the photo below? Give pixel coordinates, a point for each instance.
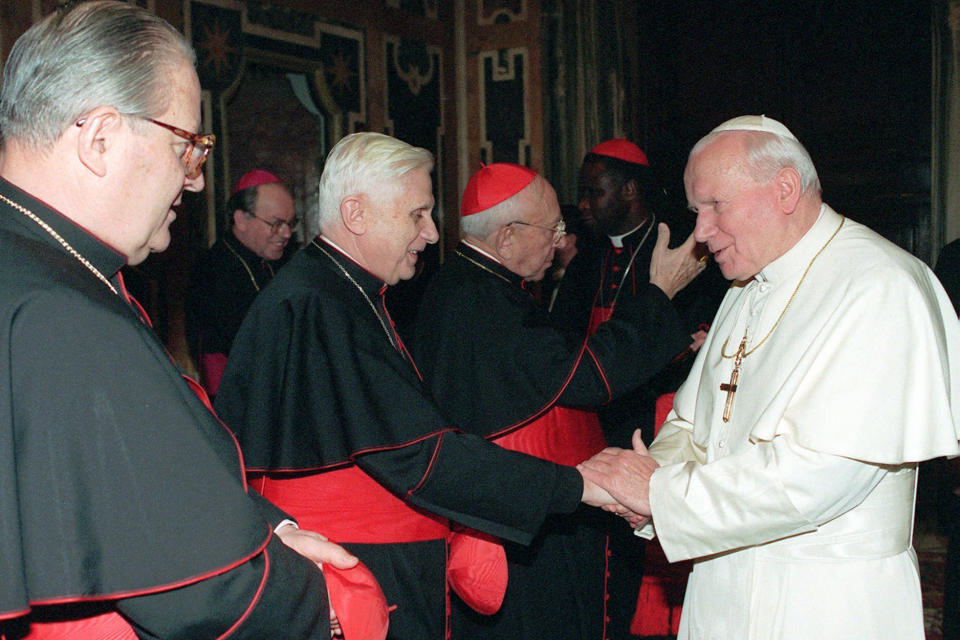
(618, 481)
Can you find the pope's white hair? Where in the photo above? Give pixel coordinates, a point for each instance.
(767, 153)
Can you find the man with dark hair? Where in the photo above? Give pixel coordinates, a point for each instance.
(619, 200)
(123, 503)
(231, 273)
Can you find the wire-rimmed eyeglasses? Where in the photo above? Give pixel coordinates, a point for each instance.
(277, 223)
(559, 230)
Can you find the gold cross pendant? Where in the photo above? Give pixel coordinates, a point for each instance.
(731, 387)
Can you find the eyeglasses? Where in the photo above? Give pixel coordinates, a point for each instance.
(196, 152)
(559, 230)
(276, 224)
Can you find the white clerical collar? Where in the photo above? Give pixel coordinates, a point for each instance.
(335, 246)
(479, 250)
(800, 254)
(617, 241)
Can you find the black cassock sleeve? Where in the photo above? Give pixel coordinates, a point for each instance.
(126, 486)
(494, 359)
(293, 603)
(478, 484)
(313, 383)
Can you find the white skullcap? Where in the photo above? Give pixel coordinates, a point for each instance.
(756, 123)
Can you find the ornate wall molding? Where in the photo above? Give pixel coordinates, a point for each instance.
(504, 80)
(413, 96)
(425, 8)
(501, 11)
(284, 85)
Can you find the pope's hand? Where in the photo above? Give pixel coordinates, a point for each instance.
(624, 474)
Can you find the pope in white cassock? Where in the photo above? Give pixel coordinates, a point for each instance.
(788, 467)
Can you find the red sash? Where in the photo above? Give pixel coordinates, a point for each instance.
(660, 600)
(347, 505)
(562, 435)
(107, 626)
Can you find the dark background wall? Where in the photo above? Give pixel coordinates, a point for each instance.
(542, 81)
(851, 78)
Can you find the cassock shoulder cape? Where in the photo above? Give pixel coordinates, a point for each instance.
(494, 359)
(314, 383)
(223, 284)
(115, 479)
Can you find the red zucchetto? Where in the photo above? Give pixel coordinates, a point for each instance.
(621, 150)
(254, 179)
(493, 184)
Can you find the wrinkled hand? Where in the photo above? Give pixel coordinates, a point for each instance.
(635, 520)
(624, 474)
(596, 496)
(318, 549)
(673, 269)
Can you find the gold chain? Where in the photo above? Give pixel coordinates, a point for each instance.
(477, 264)
(63, 243)
(347, 275)
(246, 266)
(723, 348)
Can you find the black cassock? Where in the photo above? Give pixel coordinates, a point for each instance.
(119, 489)
(496, 363)
(223, 284)
(317, 380)
(599, 278)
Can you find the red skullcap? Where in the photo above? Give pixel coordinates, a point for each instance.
(621, 150)
(493, 184)
(255, 178)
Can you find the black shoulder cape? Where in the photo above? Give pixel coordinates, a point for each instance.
(315, 381)
(112, 472)
(494, 359)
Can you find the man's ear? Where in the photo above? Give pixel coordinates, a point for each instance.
(505, 241)
(99, 135)
(789, 189)
(354, 214)
(629, 190)
(240, 220)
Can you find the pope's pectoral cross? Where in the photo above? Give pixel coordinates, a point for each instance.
(731, 387)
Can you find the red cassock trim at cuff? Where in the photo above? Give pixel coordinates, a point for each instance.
(106, 626)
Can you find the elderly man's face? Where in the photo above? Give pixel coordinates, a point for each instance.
(154, 176)
(273, 204)
(737, 217)
(401, 227)
(534, 244)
